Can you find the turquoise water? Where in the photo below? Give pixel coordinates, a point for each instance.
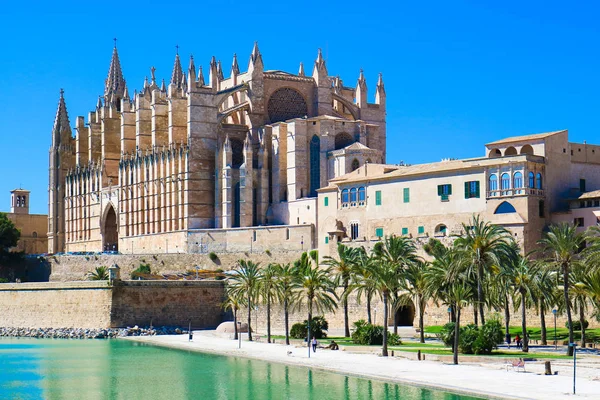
(119, 369)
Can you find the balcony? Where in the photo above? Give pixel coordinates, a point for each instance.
(515, 192)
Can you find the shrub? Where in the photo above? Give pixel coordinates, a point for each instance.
(318, 328)
(3, 280)
(213, 256)
(141, 270)
(369, 334)
(446, 334)
(481, 341)
(577, 325)
(314, 254)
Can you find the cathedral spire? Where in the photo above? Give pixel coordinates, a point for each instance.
(163, 87)
(256, 62)
(177, 74)
(192, 71)
(220, 71)
(235, 68)
(301, 69)
(380, 92)
(61, 131)
(201, 76)
(361, 90)
(320, 71)
(114, 84)
(213, 76)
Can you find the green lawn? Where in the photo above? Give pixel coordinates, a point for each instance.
(562, 333)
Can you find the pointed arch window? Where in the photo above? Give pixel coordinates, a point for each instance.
(315, 165)
(538, 181)
(505, 208)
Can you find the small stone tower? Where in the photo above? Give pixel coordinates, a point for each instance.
(19, 201)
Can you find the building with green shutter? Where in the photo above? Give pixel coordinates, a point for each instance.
(522, 183)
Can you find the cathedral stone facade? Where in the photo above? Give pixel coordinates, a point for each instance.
(226, 165)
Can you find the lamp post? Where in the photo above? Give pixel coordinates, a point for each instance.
(197, 268)
(554, 311)
(190, 331)
(574, 345)
(375, 316)
(302, 242)
(449, 314)
(250, 244)
(256, 318)
(239, 335)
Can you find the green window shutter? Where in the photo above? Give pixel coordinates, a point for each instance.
(405, 231)
(378, 198)
(406, 195)
(440, 190)
(467, 189)
(477, 189)
(379, 232)
(326, 201)
(449, 189)
(326, 239)
(421, 230)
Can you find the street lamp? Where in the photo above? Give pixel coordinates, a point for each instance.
(256, 318)
(449, 314)
(302, 242)
(574, 345)
(375, 318)
(239, 335)
(554, 311)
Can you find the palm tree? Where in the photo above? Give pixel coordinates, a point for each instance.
(580, 293)
(342, 268)
(522, 276)
(459, 294)
(244, 282)
(397, 252)
(233, 302)
(438, 277)
(267, 289)
(285, 291)
(314, 286)
(483, 246)
(562, 250)
(415, 284)
(362, 279)
(545, 293)
(98, 274)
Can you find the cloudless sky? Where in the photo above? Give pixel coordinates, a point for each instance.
(457, 73)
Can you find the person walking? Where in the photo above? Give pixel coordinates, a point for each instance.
(314, 344)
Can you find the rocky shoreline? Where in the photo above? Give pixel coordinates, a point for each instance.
(81, 333)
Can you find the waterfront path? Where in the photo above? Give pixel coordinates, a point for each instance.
(484, 379)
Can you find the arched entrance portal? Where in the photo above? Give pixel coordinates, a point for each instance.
(110, 239)
(405, 315)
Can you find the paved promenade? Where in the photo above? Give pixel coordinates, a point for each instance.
(485, 379)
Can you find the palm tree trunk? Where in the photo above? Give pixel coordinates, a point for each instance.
(524, 323)
(506, 315)
(235, 328)
(480, 292)
(421, 317)
(453, 312)
(384, 350)
(568, 306)
(543, 325)
(268, 319)
(369, 310)
(346, 322)
(582, 322)
(475, 319)
(286, 321)
(249, 319)
(456, 333)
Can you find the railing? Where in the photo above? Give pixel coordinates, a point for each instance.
(515, 192)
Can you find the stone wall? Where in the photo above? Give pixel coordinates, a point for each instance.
(55, 305)
(168, 303)
(98, 305)
(74, 268)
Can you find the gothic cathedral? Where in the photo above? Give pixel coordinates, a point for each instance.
(206, 166)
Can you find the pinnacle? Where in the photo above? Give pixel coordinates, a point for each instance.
(115, 84)
(301, 70)
(177, 74)
(62, 127)
(235, 69)
(200, 76)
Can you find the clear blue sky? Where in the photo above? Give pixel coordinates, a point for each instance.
(458, 74)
